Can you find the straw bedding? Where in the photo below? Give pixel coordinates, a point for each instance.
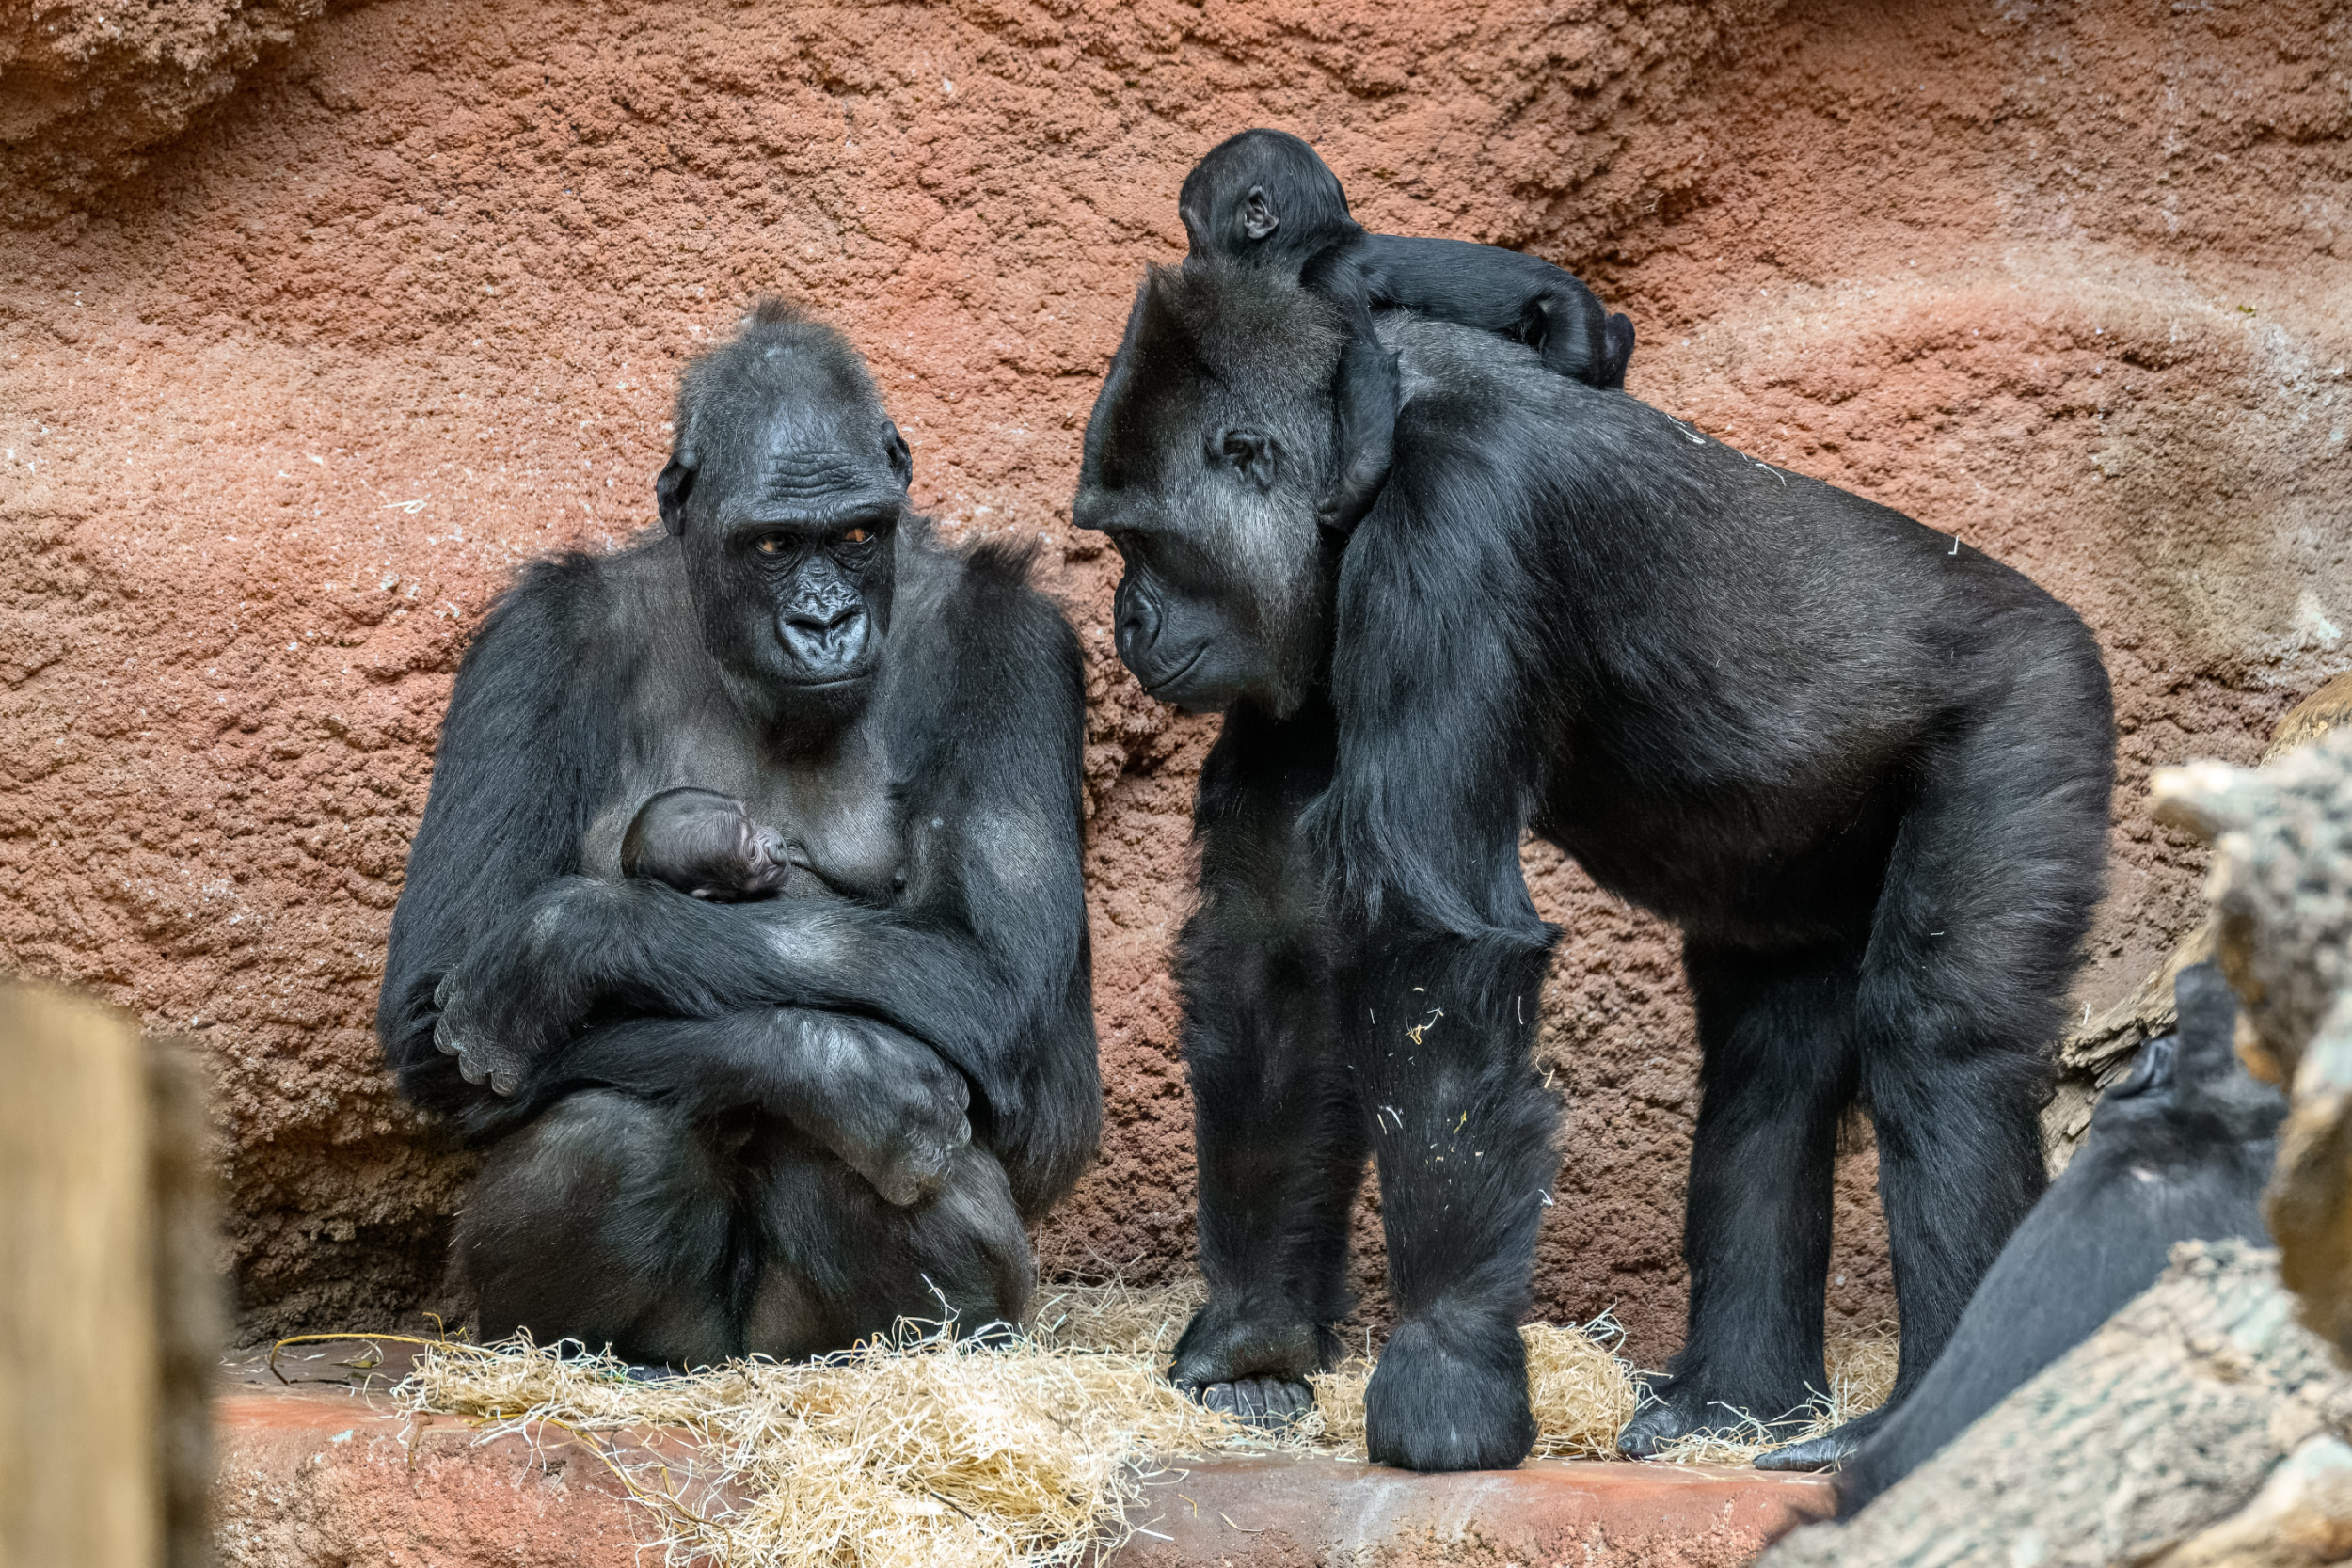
(928, 1451)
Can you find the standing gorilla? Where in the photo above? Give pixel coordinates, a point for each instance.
(1864, 767)
(716, 1128)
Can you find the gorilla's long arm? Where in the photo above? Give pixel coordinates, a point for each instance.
(514, 783)
(976, 957)
(1507, 292)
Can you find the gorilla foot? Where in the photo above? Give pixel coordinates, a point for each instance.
(1250, 1367)
(1830, 1450)
(1449, 1394)
(1268, 1404)
(1673, 1409)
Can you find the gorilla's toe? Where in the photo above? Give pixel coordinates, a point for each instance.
(1828, 1450)
(1676, 1408)
(1270, 1403)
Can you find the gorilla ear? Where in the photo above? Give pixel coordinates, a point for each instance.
(670, 489)
(1249, 453)
(901, 460)
(1258, 217)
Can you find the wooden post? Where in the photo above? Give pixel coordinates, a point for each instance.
(101, 1427)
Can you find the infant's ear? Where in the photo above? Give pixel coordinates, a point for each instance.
(1258, 217)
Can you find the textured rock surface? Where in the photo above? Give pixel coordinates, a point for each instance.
(285, 400)
(86, 88)
(316, 1477)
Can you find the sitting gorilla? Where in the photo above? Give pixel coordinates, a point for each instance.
(716, 1128)
(2179, 1151)
(1865, 770)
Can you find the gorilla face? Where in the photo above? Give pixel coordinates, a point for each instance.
(1206, 452)
(786, 487)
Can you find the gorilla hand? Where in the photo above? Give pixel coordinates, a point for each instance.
(1252, 1364)
(884, 1103)
(482, 1057)
(523, 987)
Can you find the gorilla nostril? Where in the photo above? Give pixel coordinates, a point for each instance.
(821, 621)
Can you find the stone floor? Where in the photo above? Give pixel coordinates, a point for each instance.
(324, 1473)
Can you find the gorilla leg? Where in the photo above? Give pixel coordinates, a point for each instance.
(607, 1220)
(619, 1221)
(1280, 1147)
(1776, 1037)
(1438, 1030)
(1973, 940)
(840, 1264)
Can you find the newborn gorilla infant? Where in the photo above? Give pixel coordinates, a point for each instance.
(706, 844)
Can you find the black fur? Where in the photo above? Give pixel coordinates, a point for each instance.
(719, 1127)
(2179, 1151)
(1865, 769)
(1266, 198)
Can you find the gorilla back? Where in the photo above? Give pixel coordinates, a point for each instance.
(1865, 767)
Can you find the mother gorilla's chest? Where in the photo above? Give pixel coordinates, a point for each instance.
(839, 809)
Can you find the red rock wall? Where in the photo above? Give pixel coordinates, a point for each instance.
(285, 400)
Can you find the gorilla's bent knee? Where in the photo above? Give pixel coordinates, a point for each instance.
(605, 1222)
(843, 1265)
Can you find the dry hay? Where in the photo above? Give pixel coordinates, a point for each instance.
(926, 1450)
(1112, 1315)
(1861, 1375)
(912, 1454)
(1581, 1393)
(929, 1450)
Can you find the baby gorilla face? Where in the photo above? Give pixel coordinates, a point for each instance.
(705, 844)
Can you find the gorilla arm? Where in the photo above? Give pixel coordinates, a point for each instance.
(513, 782)
(982, 957)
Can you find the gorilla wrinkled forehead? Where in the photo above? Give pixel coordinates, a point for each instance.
(1212, 343)
(785, 384)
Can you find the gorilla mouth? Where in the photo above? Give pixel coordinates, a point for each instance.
(1175, 677)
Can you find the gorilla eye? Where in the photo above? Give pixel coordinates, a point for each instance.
(855, 536)
(771, 543)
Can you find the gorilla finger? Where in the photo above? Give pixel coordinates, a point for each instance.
(1215, 1396)
(504, 1083)
(468, 1070)
(443, 1043)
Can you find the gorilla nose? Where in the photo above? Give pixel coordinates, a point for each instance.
(1138, 621)
(826, 642)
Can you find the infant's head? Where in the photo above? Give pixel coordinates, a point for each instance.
(704, 842)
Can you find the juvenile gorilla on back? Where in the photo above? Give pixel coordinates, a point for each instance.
(1864, 771)
(713, 1126)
